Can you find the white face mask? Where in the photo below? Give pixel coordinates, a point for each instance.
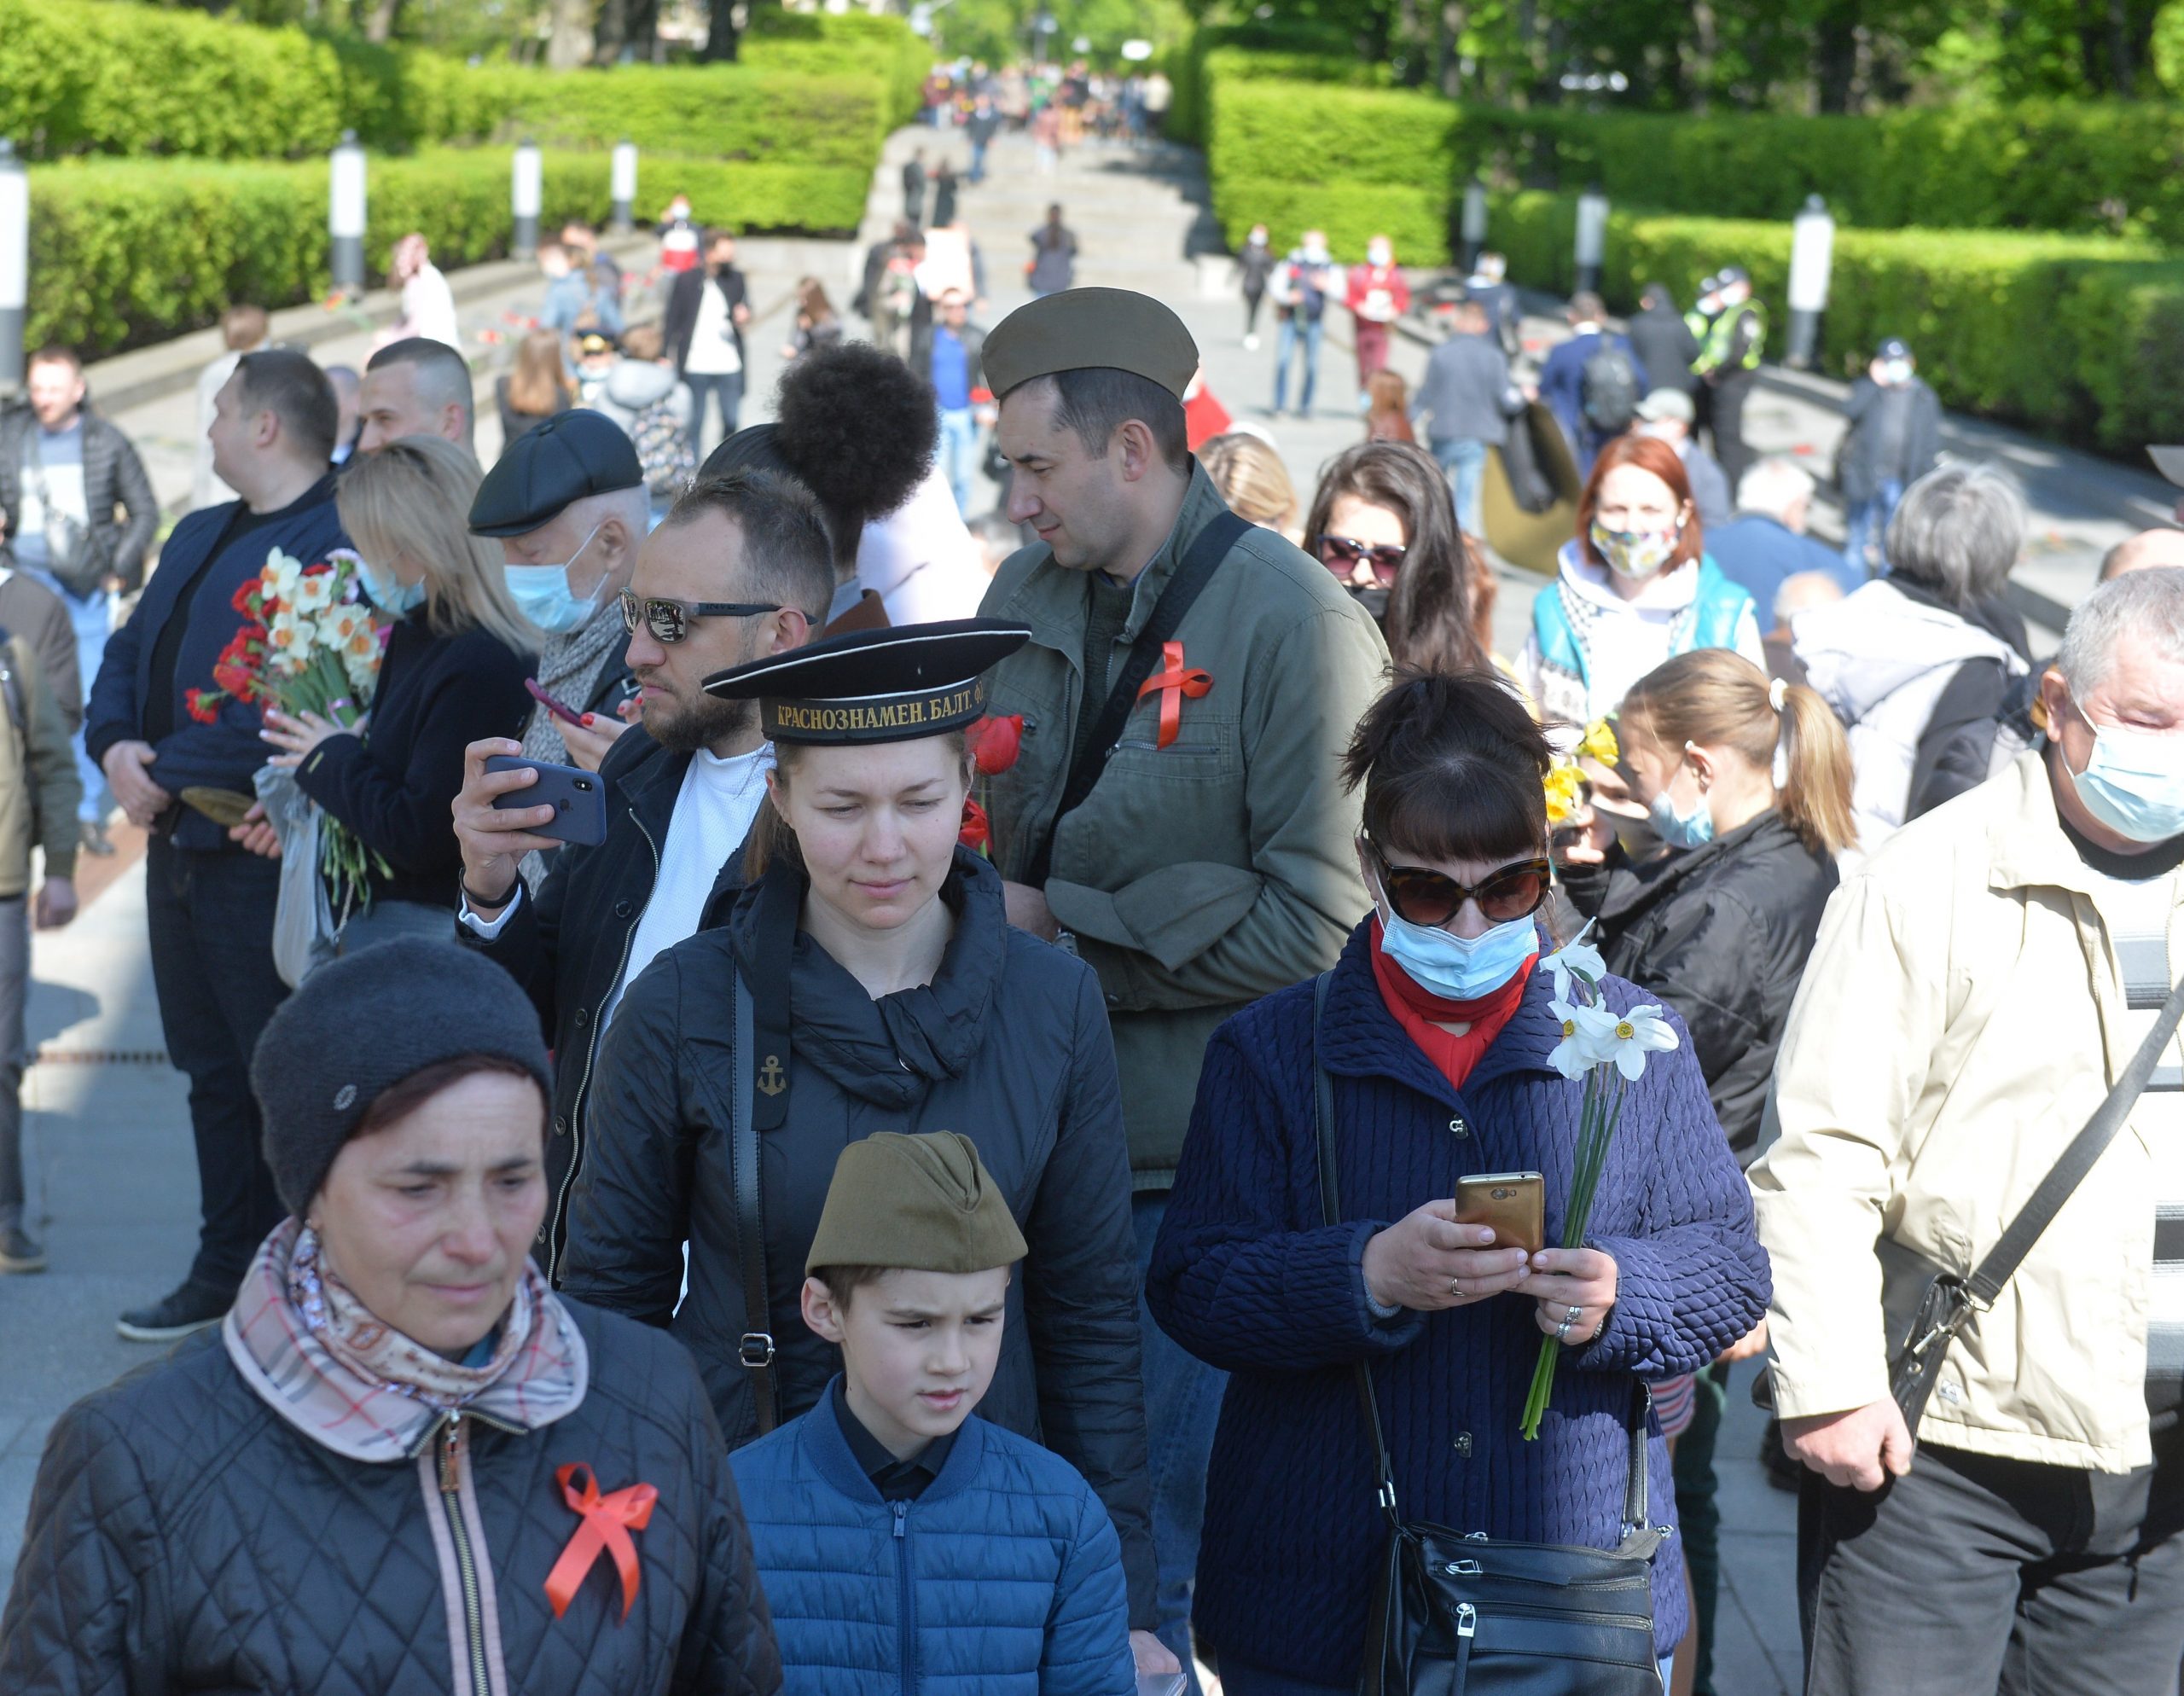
(543, 594)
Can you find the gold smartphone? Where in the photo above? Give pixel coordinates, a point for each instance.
(1513, 1203)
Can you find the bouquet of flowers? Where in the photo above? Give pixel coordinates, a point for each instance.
(308, 643)
(995, 744)
(1608, 1050)
(1566, 784)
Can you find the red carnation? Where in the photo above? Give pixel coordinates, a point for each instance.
(204, 705)
(995, 742)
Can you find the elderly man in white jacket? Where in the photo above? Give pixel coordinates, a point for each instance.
(1976, 989)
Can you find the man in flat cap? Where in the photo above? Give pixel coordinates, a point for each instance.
(568, 503)
(1174, 816)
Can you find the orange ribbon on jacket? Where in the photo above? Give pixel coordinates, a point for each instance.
(608, 1522)
(1175, 682)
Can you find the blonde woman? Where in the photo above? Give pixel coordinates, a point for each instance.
(1252, 479)
(457, 652)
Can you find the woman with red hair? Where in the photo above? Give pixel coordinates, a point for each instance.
(1636, 588)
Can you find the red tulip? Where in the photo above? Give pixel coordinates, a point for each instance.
(995, 742)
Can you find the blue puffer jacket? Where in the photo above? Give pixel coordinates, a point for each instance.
(1004, 1578)
(1245, 1276)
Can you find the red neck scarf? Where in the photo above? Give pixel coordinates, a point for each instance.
(1421, 1014)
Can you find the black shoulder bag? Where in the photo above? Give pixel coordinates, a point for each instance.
(1926, 1306)
(756, 1349)
(1470, 1615)
(1204, 556)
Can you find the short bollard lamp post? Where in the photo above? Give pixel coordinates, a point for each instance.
(526, 188)
(1592, 240)
(1812, 254)
(1474, 223)
(345, 216)
(14, 265)
(621, 185)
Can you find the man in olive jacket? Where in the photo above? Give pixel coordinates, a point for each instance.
(1212, 860)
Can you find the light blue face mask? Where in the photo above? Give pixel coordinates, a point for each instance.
(1458, 968)
(542, 593)
(392, 596)
(2135, 782)
(1678, 828)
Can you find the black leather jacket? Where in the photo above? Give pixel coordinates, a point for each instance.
(1007, 1044)
(182, 1536)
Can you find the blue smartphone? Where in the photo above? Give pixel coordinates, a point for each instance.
(578, 797)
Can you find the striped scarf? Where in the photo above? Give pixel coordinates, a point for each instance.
(320, 1359)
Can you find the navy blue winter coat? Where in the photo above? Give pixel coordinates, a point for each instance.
(1246, 1277)
(1003, 1578)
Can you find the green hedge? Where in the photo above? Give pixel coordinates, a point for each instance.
(2076, 336)
(728, 111)
(1416, 220)
(131, 251)
(90, 77)
(1296, 50)
(825, 44)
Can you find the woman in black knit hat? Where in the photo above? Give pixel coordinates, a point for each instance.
(403, 1461)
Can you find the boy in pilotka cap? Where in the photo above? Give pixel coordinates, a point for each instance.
(905, 1543)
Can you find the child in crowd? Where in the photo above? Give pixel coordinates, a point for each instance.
(889, 1522)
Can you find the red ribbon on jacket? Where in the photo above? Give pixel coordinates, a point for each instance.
(1174, 683)
(608, 1522)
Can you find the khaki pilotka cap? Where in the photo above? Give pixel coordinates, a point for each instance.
(919, 1204)
(1083, 329)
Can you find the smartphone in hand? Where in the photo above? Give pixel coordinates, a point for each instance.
(560, 709)
(578, 799)
(1513, 1203)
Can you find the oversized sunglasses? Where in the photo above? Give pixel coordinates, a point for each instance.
(1422, 896)
(1341, 553)
(669, 621)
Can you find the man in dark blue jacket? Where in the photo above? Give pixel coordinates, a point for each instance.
(1593, 383)
(210, 903)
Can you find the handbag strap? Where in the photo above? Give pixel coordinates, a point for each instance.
(756, 1349)
(1987, 1278)
(1634, 1502)
(1204, 556)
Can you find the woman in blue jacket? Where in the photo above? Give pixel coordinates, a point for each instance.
(1436, 1033)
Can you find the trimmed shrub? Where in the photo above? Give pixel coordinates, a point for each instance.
(1312, 132)
(2075, 336)
(1306, 52)
(127, 253)
(732, 111)
(827, 44)
(1416, 220)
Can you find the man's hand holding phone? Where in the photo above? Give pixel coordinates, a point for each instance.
(494, 840)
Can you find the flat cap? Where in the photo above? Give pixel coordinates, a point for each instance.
(1084, 329)
(359, 1025)
(916, 1204)
(551, 466)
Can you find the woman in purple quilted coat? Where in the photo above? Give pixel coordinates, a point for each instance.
(402, 1463)
(1436, 1033)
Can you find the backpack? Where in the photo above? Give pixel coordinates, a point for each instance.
(663, 450)
(1607, 389)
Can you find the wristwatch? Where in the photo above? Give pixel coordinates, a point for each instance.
(1066, 942)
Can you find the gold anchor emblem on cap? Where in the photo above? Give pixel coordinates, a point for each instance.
(770, 1078)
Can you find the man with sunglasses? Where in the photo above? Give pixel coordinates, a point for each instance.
(1175, 816)
(740, 569)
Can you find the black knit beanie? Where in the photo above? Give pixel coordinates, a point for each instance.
(359, 1025)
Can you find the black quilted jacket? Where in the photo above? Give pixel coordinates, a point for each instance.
(182, 1536)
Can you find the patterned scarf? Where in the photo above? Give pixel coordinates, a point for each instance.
(319, 1358)
(566, 665)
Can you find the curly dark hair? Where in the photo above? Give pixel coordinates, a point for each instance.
(857, 426)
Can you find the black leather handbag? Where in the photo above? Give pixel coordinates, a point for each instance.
(1463, 1614)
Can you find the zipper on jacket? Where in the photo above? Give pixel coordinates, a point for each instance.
(473, 1611)
(906, 1623)
(559, 1234)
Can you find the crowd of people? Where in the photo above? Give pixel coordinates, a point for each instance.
(868, 1122)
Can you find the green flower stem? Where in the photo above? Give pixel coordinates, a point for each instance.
(1598, 1119)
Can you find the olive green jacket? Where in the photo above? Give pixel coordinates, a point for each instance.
(1200, 876)
(39, 789)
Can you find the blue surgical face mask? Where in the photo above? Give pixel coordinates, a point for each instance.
(1457, 969)
(2135, 782)
(1679, 828)
(392, 596)
(542, 593)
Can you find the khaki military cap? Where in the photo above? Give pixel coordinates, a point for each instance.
(920, 1203)
(1083, 329)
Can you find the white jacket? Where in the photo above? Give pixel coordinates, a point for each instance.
(1881, 660)
(922, 559)
(1962, 1016)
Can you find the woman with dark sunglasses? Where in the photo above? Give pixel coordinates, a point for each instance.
(1385, 524)
(1435, 1033)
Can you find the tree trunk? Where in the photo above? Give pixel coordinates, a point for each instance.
(1697, 57)
(379, 19)
(613, 32)
(644, 30)
(1454, 19)
(2122, 70)
(1835, 56)
(570, 43)
(721, 33)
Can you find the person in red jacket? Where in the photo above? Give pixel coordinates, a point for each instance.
(1377, 296)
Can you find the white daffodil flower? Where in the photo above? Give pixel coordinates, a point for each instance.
(1588, 1038)
(1634, 1035)
(1576, 958)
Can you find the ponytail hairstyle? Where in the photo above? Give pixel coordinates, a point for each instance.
(1715, 697)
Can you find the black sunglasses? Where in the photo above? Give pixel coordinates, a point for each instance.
(1422, 896)
(1341, 553)
(670, 620)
